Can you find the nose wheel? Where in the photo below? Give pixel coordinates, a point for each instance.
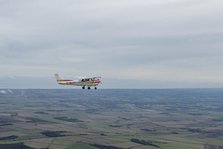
(89, 88)
(83, 87)
(95, 87)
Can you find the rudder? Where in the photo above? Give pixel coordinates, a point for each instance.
(58, 77)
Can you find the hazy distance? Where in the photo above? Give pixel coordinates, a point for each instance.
(130, 43)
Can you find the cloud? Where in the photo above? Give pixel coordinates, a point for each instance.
(124, 39)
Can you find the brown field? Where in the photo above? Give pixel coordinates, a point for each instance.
(167, 119)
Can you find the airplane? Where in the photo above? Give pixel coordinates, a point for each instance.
(84, 82)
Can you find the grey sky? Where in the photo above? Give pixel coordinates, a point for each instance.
(145, 40)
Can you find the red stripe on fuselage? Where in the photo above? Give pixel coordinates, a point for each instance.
(64, 80)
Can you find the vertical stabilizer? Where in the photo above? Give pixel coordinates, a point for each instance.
(58, 78)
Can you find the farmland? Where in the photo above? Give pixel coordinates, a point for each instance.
(112, 119)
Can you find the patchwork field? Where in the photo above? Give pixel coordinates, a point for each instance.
(112, 119)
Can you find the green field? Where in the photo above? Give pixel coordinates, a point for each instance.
(112, 119)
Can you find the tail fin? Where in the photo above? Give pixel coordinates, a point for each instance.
(58, 77)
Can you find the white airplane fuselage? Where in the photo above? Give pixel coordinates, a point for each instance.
(79, 82)
(86, 82)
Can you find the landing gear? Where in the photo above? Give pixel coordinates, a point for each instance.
(83, 87)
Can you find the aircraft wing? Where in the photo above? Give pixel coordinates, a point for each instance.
(90, 79)
(87, 78)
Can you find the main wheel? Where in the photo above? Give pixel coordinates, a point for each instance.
(95, 87)
(83, 87)
(89, 87)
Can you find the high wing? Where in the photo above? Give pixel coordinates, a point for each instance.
(89, 79)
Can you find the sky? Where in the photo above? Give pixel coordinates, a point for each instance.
(129, 43)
